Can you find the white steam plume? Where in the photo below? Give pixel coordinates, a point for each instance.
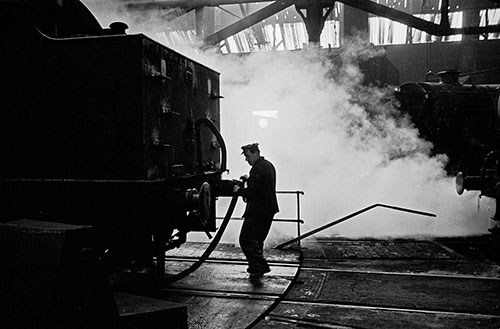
(343, 144)
(165, 25)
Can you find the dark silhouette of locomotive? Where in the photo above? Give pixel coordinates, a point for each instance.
(110, 155)
(107, 129)
(462, 121)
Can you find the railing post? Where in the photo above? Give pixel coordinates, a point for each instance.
(298, 216)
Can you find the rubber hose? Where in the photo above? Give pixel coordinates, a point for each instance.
(210, 248)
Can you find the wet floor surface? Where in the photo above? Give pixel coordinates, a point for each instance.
(391, 284)
(340, 283)
(220, 294)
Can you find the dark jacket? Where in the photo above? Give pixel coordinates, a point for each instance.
(261, 190)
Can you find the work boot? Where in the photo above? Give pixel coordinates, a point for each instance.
(258, 272)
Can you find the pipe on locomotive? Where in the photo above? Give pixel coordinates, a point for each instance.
(475, 183)
(207, 122)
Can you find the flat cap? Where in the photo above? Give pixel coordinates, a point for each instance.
(254, 147)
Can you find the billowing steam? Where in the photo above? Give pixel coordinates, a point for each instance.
(344, 144)
(165, 25)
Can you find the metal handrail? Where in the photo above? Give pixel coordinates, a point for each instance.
(297, 220)
(338, 221)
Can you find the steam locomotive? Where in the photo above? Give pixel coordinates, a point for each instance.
(106, 129)
(462, 121)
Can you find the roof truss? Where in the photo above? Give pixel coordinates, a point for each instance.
(441, 29)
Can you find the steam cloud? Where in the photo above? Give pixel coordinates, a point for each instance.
(344, 144)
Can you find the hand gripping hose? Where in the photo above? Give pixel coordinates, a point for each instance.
(210, 248)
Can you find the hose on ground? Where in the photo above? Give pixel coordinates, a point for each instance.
(211, 247)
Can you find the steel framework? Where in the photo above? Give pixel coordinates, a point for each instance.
(314, 19)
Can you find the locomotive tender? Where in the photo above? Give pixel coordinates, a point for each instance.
(463, 122)
(105, 129)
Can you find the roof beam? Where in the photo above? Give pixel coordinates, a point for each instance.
(185, 4)
(192, 4)
(441, 29)
(248, 21)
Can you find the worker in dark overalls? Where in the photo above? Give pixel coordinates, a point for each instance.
(262, 205)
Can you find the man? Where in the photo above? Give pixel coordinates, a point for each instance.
(262, 205)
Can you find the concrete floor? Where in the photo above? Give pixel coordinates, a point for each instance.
(339, 283)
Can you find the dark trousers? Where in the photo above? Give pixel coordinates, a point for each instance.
(252, 235)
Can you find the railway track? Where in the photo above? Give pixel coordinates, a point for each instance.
(434, 288)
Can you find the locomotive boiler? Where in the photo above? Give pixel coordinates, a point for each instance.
(106, 129)
(462, 121)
